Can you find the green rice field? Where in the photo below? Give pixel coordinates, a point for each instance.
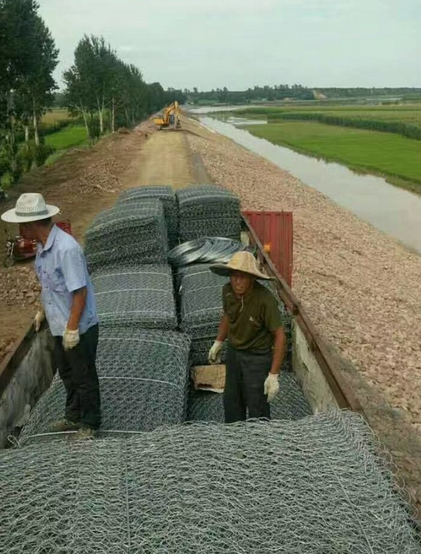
(388, 154)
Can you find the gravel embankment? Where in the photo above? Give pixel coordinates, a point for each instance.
(361, 288)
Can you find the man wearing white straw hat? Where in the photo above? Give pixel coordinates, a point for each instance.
(256, 340)
(69, 305)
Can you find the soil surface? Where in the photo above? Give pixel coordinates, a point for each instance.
(361, 288)
(166, 160)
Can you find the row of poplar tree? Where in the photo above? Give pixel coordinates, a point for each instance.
(100, 88)
(106, 92)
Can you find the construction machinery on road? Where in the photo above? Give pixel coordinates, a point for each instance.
(170, 117)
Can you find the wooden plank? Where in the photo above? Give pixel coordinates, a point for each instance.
(343, 394)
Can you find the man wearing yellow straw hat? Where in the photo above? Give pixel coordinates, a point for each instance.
(68, 300)
(256, 340)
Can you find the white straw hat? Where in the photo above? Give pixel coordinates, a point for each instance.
(30, 206)
(241, 261)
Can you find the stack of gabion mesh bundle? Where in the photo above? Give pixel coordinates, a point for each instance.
(316, 486)
(166, 195)
(200, 294)
(290, 403)
(128, 235)
(208, 211)
(140, 295)
(143, 379)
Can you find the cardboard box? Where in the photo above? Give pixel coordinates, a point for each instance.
(209, 377)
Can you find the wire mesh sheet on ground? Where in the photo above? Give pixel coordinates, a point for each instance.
(317, 485)
(208, 211)
(143, 382)
(204, 250)
(166, 195)
(200, 298)
(129, 235)
(290, 403)
(140, 294)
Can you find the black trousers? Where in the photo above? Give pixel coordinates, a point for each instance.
(244, 384)
(77, 370)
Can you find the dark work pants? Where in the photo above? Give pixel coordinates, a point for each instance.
(244, 384)
(77, 370)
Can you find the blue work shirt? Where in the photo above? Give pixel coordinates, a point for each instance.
(61, 268)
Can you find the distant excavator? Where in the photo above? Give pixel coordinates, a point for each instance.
(170, 117)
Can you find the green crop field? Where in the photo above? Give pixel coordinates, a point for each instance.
(393, 156)
(68, 137)
(403, 120)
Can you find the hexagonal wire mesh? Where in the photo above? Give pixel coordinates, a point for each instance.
(143, 382)
(163, 193)
(140, 295)
(128, 235)
(315, 485)
(208, 211)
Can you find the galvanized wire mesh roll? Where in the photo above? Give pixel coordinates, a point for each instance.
(128, 235)
(208, 211)
(143, 295)
(316, 486)
(290, 403)
(163, 193)
(143, 378)
(204, 250)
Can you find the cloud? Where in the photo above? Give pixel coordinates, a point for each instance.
(239, 43)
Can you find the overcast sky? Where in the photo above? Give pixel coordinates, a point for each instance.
(240, 43)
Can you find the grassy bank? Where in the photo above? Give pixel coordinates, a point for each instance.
(68, 137)
(395, 157)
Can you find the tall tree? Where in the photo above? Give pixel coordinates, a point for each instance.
(90, 81)
(100, 86)
(28, 58)
(36, 92)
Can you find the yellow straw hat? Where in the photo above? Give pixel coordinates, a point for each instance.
(241, 261)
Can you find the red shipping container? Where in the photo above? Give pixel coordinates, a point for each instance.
(275, 232)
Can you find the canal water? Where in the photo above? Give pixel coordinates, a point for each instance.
(394, 211)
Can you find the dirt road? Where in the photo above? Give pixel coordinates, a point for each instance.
(165, 160)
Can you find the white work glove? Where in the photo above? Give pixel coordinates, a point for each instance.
(214, 355)
(38, 319)
(271, 388)
(70, 339)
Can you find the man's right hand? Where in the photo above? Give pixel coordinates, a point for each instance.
(38, 319)
(214, 355)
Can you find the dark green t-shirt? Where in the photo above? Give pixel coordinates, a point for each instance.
(252, 319)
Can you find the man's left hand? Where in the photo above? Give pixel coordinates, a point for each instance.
(70, 339)
(271, 386)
